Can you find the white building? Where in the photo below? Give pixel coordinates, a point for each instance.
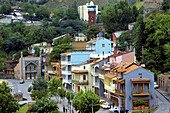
(83, 11)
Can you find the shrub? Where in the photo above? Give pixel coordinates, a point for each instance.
(30, 88)
(139, 103)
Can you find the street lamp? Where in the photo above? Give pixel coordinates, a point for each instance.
(115, 97)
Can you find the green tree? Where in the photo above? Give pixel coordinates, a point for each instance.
(83, 101)
(140, 37)
(53, 85)
(38, 94)
(165, 5)
(27, 7)
(8, 103)
(44, 105)
(1, 42)
(39, 84)
(158, 35)
(92, 32)
(57, 50)
(71, 13)
(117, 17)
(37, 51)
(124, 39)
(68, 93)
(42, 13)
(56, 22)
(6, 8)
(59, 12)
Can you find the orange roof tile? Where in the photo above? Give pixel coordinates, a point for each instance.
(79, 71)
(110, 75)
(91, 41)
(66, 53)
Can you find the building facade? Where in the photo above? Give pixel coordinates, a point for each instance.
(28, 67)
(83, 11)
(162, 81)
(9, 66)
(134, 83)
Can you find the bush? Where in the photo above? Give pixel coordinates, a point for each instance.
(139, 103)
(21, 81)
(30, 88)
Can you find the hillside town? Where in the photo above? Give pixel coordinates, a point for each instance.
(85, 58)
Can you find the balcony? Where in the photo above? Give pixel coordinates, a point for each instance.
(65, 62)
(80, 82)
(52, 72)
(101, 76)
(96, 84)
(140, 93)
(120, 92)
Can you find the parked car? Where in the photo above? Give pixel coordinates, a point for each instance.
(105, 105)
(156, 85)
(115, 109)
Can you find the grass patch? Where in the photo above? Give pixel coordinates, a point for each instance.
(145, 111)
(139, 4)
(23, 109)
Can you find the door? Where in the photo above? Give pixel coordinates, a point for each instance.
(78, 88)
(140, 88)
(97, 91)
(30, 76)
(34, 75)
(25, 76)
(123, 103)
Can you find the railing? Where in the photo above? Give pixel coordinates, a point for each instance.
(80, 82)
(120, 92)
(140, 93)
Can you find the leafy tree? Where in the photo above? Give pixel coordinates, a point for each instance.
(140, 37)
(61, 92)
(14, 43)
(117, 17)
(38, 94)
(165, 5)
(56, 22)
(27, 7)
(42, 13)
(157, 32)
(83, 101)
(8, 103)
(37, 51)
(92, 32)
(71, 13)
(39, 84)
(124, 39)
(44, 105)
(57, 50)
(68, 93)
(59, 12)
(1, 42)
(6, 8)
(53, 85)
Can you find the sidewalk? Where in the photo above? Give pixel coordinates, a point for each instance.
(164, 94)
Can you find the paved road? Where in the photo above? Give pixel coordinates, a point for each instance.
(164, 105)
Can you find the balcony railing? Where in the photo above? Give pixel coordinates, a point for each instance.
(140, 93)
(80, 82)
(120, 92)
(52, 72)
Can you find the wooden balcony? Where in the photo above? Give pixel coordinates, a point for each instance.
(140, 93)
(121, 93)
(80, 82)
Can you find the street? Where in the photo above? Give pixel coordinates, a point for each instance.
(164, 105)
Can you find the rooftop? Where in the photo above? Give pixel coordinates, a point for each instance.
(110, 75)
(79, 71)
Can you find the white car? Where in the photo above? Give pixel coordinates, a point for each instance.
(105, 105)
(156, 85)
(114, 109)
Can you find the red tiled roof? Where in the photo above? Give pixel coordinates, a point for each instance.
(91, 41)
(110, 75)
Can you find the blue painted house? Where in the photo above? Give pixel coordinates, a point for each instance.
(134, 83)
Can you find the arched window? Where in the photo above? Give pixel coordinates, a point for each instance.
(25, 68)
(34, 68)
(30, 68)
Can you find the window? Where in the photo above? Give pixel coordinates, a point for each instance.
(103, 45)
(112, 45)
(84, 67)
(140, 75)
(25, 68)
(84, 77)
(30, 68)
(34, 68)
